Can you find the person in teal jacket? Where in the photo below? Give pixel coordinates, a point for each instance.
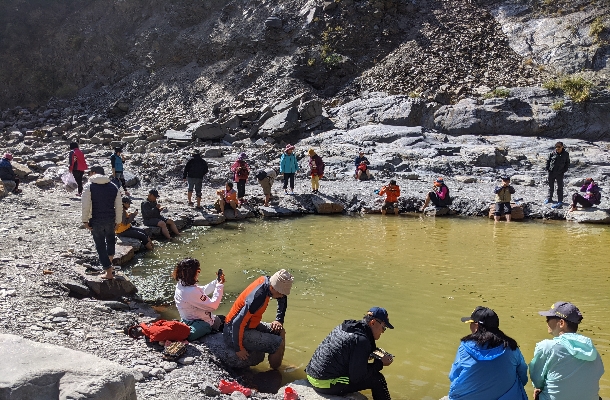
(289, 166)
(567, 367)
(488, 364)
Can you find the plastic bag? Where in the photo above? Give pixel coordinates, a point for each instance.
(69, 181)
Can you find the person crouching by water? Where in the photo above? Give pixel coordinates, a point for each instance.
(592, 195)
(124, 229)
(503, 197)
(439, 196)
(488, 364)
(195, 303)
(340, 364)
(244, 331)
(392, 193)
(227, 196)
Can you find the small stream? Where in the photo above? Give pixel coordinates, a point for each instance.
(427, 272)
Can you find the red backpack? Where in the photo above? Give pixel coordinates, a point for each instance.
(166, 330)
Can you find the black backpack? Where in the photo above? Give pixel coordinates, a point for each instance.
(261, 174)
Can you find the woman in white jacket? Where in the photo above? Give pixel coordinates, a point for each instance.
(195, 303)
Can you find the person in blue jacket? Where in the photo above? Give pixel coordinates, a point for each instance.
(488, 364)
(289, 166)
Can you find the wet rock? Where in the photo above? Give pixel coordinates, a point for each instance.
(305, 391)
(122, 254)
(270, 212)
(152, 231)
(208, 219)
(434, 211)
(215, 343)
(72, 373)
(589, 216)
(109, 289)
(127, 241)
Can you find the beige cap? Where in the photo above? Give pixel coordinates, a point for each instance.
(282, 281)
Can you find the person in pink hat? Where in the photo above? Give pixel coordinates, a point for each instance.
(7, 175)
(289, 167)
(241, 171)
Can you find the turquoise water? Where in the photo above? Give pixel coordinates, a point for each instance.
(427, 272)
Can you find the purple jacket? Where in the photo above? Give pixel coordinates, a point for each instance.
(592, 192)
(318, 163)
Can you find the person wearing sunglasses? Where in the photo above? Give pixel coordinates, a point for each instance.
(557, 165)
(340, 364)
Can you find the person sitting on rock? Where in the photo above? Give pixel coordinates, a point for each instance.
(194, 170)
(124, 229)
(241, 171)
(340, 364)
(488, 363)
(439, 196)
(116, 162)
(227, 196)
(244, 331)
(7, 175)
(77, 165)
(265, 178)
(391, 192)
(195, 303)
(316, 166)
(362, 166)
(593, 195)
(503, 197)
(151, 215)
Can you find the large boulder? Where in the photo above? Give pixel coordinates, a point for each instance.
(123, 254)
(310, 109)
(589, 215)
(326, 205)
(305, 391)
(41, 371)
(171, 134)
(103, 289)
(217, 346)
(21, 170)
(280, 124)
(206, 130)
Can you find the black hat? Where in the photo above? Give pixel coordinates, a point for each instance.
(118, 149)
(564, 310)
(154, 192)
(505, 178)
(381, 314)
(126, 199)
(483, 316)
(97, 170)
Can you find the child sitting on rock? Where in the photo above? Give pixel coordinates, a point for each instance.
(503, 197)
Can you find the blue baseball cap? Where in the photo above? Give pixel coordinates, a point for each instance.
(381, 314)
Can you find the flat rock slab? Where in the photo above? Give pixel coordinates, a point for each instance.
(152, 231)
(40, 371)
(107, 289)
(326, 205)
(516, 213)
(178, 135)
(306, 392)
(122, 254)
(270, 212)
(215, 343)
(127, 241)
(209, 219)
(589, 216)
(436, 211)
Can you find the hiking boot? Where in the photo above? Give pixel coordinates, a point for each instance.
(547, 201)
(557, 205)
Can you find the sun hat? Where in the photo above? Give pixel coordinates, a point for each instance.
(564, 310)
(289, 147)
(311, 152)
(8, 156)
(483, 316)
(380, 314)
(282, 281)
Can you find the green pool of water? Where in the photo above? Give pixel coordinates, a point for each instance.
(427, 272)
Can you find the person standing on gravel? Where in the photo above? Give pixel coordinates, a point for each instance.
(316, 167)
(244, 331)
(116, 162)
(77, 165)
(289, 166)
(151, 215)
(7, 175)
(101, 214)
(194, 170)
(241, 171)
(557, 165)
(265, 178)
(195, 303)
(124, 229)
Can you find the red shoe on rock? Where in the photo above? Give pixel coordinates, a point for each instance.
(230, 387)
(290, 394)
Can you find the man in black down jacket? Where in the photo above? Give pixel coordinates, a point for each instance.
(195, 169)
(557, 165)
(340, 363)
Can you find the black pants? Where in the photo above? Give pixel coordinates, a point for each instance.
(78, 177)
(374, 381)
(552, 178)
(103, 237)
(289, 176)
(241, 188)
(135, 233)
(578, 199)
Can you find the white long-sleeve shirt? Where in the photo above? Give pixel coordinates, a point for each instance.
(87, 204)
(198, 302)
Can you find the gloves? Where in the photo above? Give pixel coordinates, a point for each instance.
(376, 191)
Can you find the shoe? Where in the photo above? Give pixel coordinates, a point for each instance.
(198, 208)
(286, 191)
(557, 205)
(229, 387)
(191, 204)
(292, 192)
(547, 201)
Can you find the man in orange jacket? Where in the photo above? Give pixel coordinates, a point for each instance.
(391, 192)
(244, 330)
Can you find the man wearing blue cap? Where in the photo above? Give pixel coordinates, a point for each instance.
(340, 363)
(568, 366)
